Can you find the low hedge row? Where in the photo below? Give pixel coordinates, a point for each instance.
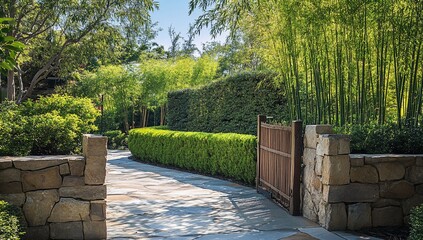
(10, 217)
(227, 154)
(416, 222)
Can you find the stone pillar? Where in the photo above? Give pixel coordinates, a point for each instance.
(95, 153)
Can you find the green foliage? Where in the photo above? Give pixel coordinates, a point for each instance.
(116, 139)
(51, 125)
(9, 222)
(387, 138)
(9, 46)
(229, 105)
(416, 222)
(15, 134)
(227, 154)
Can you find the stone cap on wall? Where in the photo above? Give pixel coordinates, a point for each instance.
(382, 158)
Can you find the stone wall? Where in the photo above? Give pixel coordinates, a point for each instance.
(349, 191)
(61, 197)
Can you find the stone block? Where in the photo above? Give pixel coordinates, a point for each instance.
(64, 169)
(410, 203)
(98, 210)
(70, 210)
(42, 179)
(95, 230)
(5, 162)
(309, 209)
(11, 187)
(84, 192)
(390, 171)
(419, 161)
(419, 189)
(344, 145)
(73, 181)
(336, 170)
(357, 160)
(381, 158)
(94, 145)
(77, 167)
(354, 192)
(312, 133)
(38, 206)
(309, 157)
(10, 175)
(37, 233)
(384, 202)
(333, 144)
(387, 217)
(32, 163)
(68, 230)
(396, 190)
(364, 174)
(415, 174)
(95, 170)
(335, 217)
(359, 216)
(319, 165)
(17, 199)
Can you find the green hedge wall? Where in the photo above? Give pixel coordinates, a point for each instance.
(227, 154)
(228, 105)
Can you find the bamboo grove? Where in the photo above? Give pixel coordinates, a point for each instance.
(341, 61)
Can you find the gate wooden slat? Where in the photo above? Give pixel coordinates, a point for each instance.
(279, 150)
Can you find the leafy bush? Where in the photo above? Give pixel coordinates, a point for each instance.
(229, 105)
(9, 222)
(416, 222)
(228, 154)
(116, 139)
(388, 138)
(51, 125)
(15, 137)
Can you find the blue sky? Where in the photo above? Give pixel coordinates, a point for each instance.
(175, 13)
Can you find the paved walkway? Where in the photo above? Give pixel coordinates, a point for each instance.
(149, 202)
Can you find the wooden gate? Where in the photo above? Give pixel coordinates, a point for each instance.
(279, 150)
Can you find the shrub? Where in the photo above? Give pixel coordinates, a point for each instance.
(228, 154)
(51, 125)
(9, 222)
(116, 139)
(416, 222)
(229, 105)
(388, 138)
(15, 137)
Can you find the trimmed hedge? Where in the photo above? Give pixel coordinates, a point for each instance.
(227, 154)
(229, 105)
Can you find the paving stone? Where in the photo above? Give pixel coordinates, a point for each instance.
(41, 179)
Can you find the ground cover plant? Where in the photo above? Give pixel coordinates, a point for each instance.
(10, 222)
(226, 154)
(416, 222)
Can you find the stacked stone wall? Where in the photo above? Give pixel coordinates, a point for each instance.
(353, 191)
(61, 197)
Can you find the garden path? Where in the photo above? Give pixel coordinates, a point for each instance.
(150, 202)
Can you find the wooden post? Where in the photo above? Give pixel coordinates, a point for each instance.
(296, 151)
(260, 119)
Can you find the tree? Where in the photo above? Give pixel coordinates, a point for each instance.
(69, 22)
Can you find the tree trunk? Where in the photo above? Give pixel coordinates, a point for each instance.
(10, 85)
(162, 115)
